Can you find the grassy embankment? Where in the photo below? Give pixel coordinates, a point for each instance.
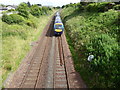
(16, 41)
(94, 33)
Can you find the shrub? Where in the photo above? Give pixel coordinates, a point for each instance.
(117, 7)
(7, 19)
(49, 8)
(17, 18)
(106, 62)
(8, 67)
(44, 10)
(11, 10)
(35, 10)
(99, 7)
(103, 47)
(30, 23)
(13, 18)
(23, 10)
(81, 7)
(98, 34)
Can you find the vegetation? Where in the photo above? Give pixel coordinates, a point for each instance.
(117, 7)
(23, 10)
(36, 11)
(93, 29)
(18, 31)
(13, 18)
(99, 7)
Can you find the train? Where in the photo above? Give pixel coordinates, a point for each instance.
(58, 25)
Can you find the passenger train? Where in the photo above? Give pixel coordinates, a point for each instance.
(58, 25)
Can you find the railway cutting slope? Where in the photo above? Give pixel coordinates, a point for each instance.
(48, 65)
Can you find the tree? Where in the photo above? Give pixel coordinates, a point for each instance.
(28, 3)
(2, 5)
(35, 10)
(45, 9)
(23, 10)
(39, 4)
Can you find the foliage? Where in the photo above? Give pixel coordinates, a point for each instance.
(31, 21)
(44, 10)
(35, 10)
(17, 19)
(11, 10)
(116, 7)
(58, 7)
(99, 7)
(28, 3)
(13, 18)
(7, 19)
(106, 61)
(23, 10)
(97, 34)
(16, 39)
(81, 7)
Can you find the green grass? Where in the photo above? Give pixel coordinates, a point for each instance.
(0, 53)
(16, 41)
(81, 28)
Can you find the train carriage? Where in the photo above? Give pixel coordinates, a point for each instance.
(58, 25)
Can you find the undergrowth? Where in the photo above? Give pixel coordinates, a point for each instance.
(93, 33)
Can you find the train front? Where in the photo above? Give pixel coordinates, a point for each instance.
(58, 28)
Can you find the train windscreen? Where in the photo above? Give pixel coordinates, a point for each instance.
(58, 26)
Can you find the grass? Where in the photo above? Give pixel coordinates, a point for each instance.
(0, 54)
(16, 41)
(81, 28)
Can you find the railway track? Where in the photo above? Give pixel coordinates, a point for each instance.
(48, 65)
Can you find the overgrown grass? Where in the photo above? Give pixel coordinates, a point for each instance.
(16, 41)
(98, 34)
(0, 53)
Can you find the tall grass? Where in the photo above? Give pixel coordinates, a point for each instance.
(16, 42)
(0, 53)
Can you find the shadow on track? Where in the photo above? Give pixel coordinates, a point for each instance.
(50, 31)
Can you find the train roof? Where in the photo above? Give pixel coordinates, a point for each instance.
(58, 19)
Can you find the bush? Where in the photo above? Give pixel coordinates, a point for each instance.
(104, 48)
(99, 7)
(13, 18)
(31, 23)
(7, 19)
(11, 10)
(23, 10)
(17, 18)
(35, 10)
(8, 67)
(117, 7)
(98, 34)
(106, 62)
(44, 10)
(81, 7)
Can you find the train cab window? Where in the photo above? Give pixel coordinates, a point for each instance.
(58, 26)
